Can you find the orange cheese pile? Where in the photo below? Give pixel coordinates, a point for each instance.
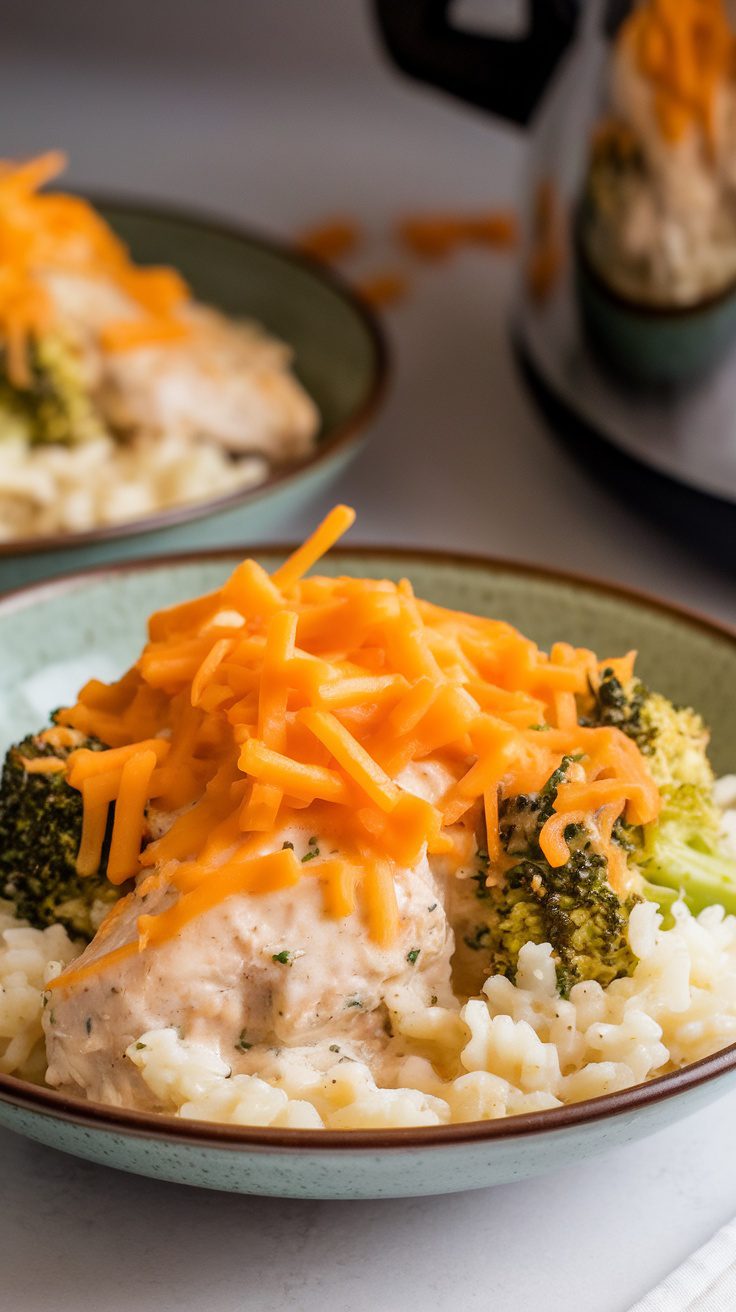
(42, 233)
(686, 49)
(283, 699)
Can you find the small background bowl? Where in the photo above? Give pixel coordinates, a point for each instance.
(650, 345)
(340, 357)
(55, 636)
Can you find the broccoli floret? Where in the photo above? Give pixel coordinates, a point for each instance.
(612, 703)
(56, 406)
(573, 907)
(40, 829)
(677, 747)
(673, 738)
(681, 854)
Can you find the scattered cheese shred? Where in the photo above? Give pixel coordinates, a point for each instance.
(293, 777)
(435, 236)
(97, 794)
(130, 806)
(42, 764)
(331, 240)
(388, 287)
(263, 874)
(332, 528)
(357, 763)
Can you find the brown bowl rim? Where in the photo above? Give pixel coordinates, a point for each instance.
(340, 438)
(203, 1134)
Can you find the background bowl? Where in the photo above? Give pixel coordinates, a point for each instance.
(56, 635)
(649, 345)
(340, 357)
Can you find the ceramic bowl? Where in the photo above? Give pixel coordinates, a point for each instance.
(651, 345)
(340, 356)
(53, 636)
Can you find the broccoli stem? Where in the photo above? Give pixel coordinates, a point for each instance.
(699, 878)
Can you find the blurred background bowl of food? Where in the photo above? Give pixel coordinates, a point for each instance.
(624, 320)
(651, 344)
(655, 236)
(291, 369)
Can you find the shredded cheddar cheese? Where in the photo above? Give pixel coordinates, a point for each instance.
(327, 689)
(42, 764)
(686, 50)
(47, 233)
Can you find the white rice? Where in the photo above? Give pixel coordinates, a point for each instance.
(196, 419)
(52, 489)
(28, 959)
(515, 1048)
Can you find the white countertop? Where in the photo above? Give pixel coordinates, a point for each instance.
(281, 117)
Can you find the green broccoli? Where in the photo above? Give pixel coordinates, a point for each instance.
(673, 738)
(40, 828)
(610, 703)
(573, 907)
(56, 406)
(682, 852)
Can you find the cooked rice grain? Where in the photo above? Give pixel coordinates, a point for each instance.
(60, 489)
(517, 1048)
(28, 959)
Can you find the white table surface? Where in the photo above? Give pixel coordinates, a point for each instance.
(278, 114)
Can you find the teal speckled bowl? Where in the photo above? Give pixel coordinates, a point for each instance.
(649, 345)
(55, 635)
(340, 356)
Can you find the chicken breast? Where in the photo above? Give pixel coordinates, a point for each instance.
(228, 383)
(269, 969)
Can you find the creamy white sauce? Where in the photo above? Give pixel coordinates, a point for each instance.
(220, 980)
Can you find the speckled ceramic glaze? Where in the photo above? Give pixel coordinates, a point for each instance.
(54, 636)
(339, 355)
